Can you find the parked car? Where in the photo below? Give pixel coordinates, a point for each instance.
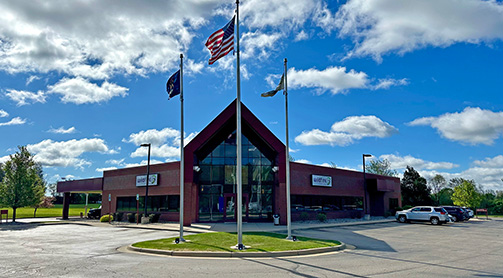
(457, 213)
(434, 215)
(94, 213)
(470, 212)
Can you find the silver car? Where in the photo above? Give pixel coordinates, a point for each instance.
(434, 215)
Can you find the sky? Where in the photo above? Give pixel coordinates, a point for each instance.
(83, 83)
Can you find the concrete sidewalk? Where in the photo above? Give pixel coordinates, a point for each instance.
(207, 227)
(231, 226)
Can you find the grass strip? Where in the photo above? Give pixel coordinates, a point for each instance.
(222, 242)
(56, 211)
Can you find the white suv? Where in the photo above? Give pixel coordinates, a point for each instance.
(434, 215)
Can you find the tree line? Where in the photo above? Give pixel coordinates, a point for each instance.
(437, 191)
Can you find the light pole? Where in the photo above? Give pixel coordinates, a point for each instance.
(366, 197)
(148, 173)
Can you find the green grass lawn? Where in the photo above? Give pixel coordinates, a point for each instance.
(56, 211)
(258, 242)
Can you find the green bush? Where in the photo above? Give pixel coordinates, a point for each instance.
(398, 209)
(105, 218)
(131, 218)
(407, 207)
(304, 216)
(154, 217)
(321, 217)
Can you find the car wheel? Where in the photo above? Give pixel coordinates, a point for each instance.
(402, 219)
(434, 221)
(454, 219)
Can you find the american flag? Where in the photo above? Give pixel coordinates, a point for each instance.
(221, 42)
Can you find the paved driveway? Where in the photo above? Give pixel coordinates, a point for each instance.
(472, 249)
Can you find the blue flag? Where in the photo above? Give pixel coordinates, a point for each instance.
(173, 85)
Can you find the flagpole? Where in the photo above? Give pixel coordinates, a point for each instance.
(181, 150)
(287, 165)
(238, 141)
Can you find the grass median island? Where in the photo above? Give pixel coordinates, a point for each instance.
(221, 242)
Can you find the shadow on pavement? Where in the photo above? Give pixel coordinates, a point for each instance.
(349, 235)
(295, 271)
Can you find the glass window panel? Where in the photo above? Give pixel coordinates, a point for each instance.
(218, 161)
(219, 151)
(231, 161)
(230, 151)
(217, 174)
(230, 173)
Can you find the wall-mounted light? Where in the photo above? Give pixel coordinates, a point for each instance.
(197, 169)
(275, 169)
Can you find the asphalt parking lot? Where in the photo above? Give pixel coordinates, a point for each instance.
(469, 249)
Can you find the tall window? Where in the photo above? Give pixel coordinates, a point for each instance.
(217, 180)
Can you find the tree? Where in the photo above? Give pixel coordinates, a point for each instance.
(46, 202)
(444, 196)
(437, 183)
(380, 167)
(22, 184)
(414, 188)
(458, 181)
(2, 173)
(466, 195)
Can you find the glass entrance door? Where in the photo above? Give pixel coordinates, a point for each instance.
(230, 212)
(211, 203)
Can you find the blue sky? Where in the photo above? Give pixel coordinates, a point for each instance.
(82, 83)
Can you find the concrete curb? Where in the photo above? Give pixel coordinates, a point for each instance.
(238, 254)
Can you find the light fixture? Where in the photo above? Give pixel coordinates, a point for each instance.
(275, 169)
(197, 169)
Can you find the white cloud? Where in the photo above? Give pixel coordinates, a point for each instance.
(115, 161)
(152, 136)
(258, 45)
(62, 130)
(3, 114)
(345, 132)
(336, 80)
(100, 170)
(67, 153)
(473, 125)
(79, 91)
(31, 79)
(97, 39)
(14, 121)
(495, 162)
(25, 97)
(388, 82)
(284, 14)
(301, 36)
(399, 162)
(160, 145)
(305, 161)
(4, 159)
(381, 27)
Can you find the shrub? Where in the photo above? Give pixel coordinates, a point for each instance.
(398, 209)
(407, 207)
(304, 216)
(131, 218)
(138, 218)
(105, 218)
(154, 217)
(321, 217)
(118, 216)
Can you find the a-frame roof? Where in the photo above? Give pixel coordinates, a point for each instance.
(223, 125)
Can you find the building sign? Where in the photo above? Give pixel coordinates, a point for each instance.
(141, 180)
(325, 181)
